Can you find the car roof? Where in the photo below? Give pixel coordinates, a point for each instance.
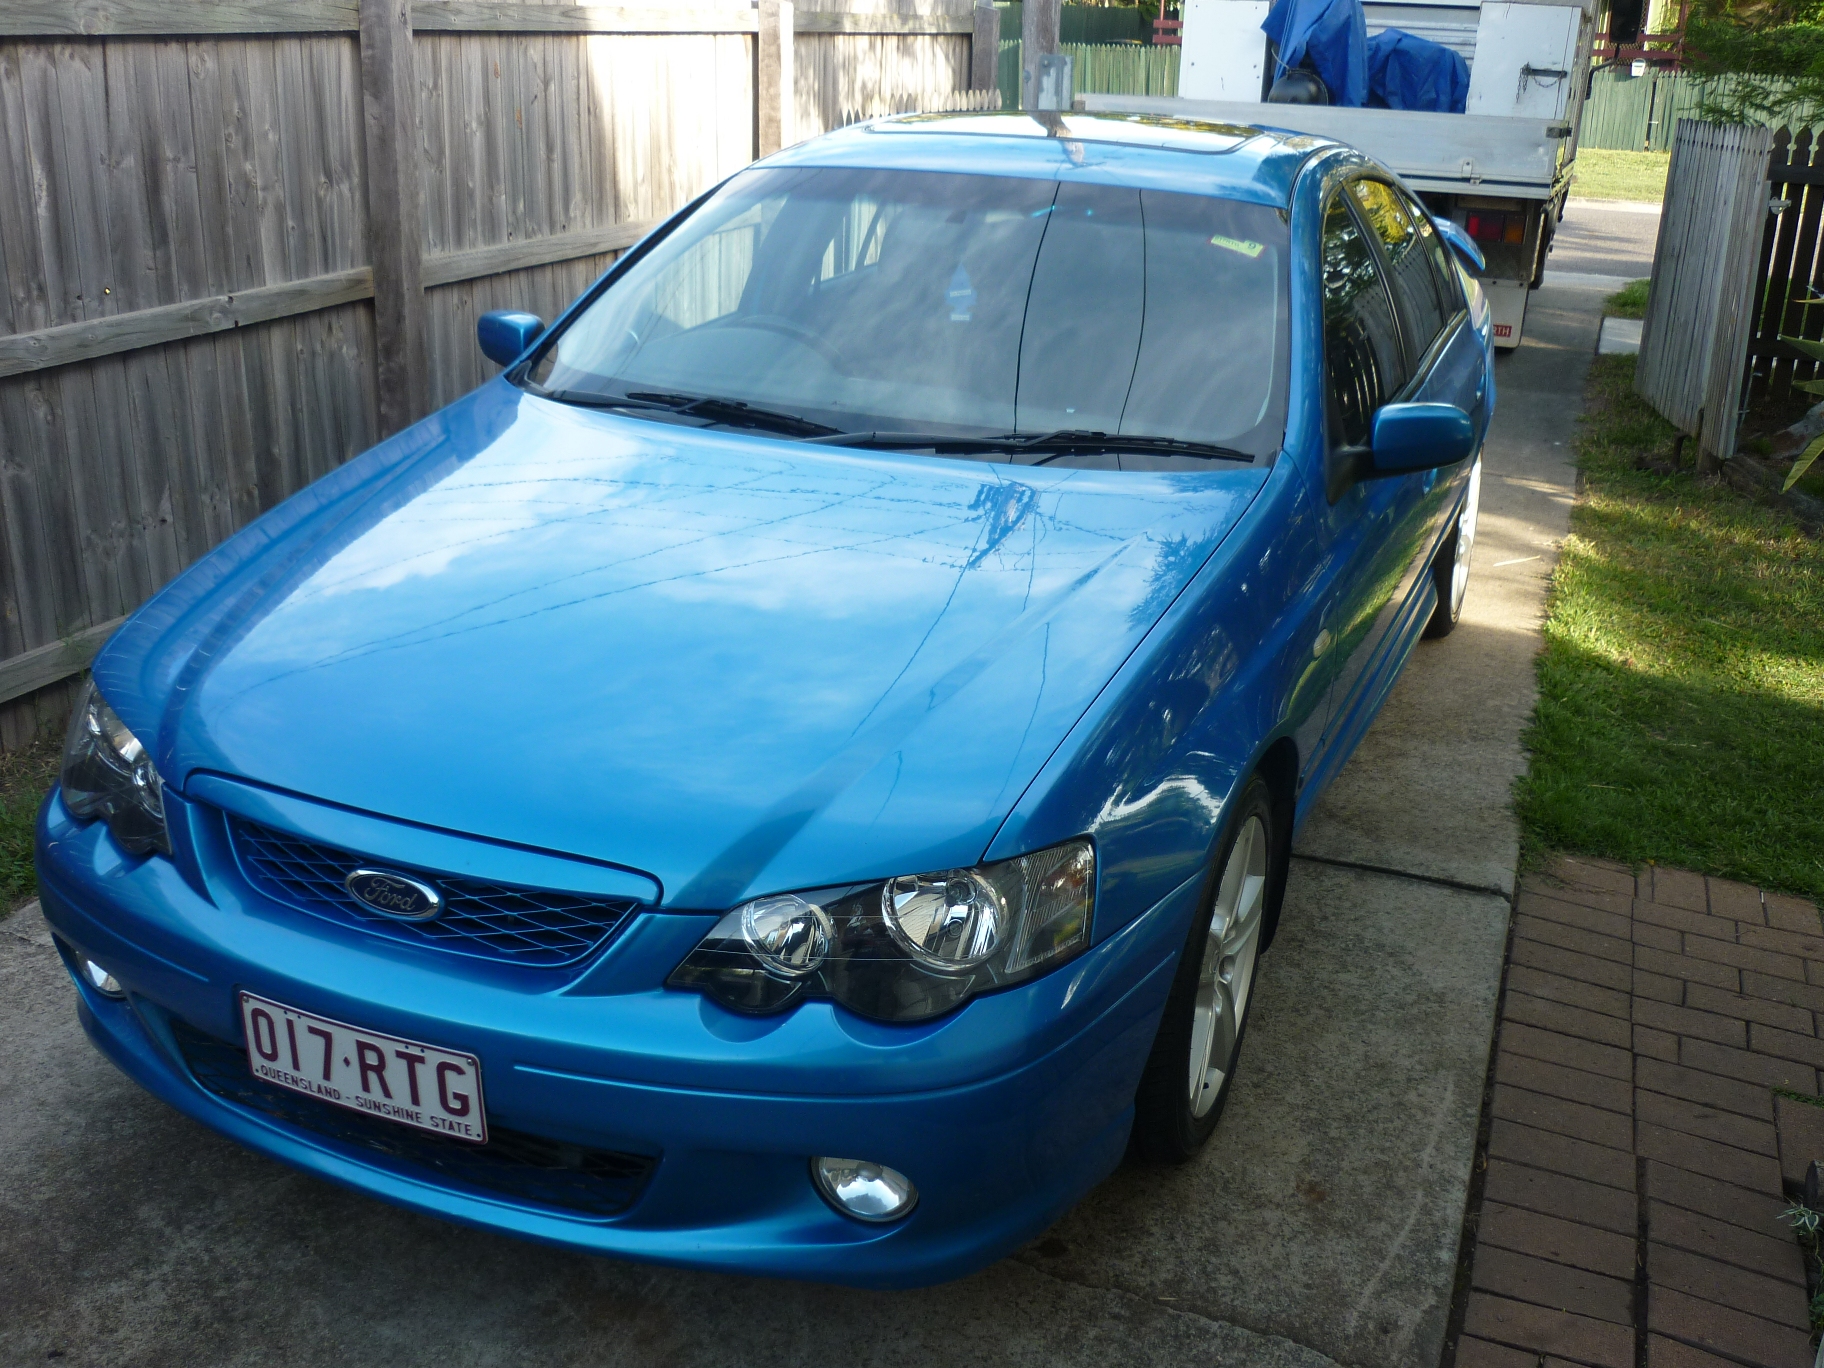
(1152, 151)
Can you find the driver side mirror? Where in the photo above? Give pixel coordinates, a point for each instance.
(504, 334)
(1409, 437)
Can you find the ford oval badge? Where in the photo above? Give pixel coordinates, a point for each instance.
(393, 894)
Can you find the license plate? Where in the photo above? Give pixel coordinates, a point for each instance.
(365, 1071)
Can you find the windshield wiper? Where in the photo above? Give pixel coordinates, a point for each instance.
(724, 412)
(733, 413)
(1065, 442)
(912, 441)
(739, 414)
(1070, 441)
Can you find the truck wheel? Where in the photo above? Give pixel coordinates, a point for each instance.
(1187, 1078)
(1450, 567)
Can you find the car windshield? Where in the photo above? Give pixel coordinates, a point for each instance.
(838, 301)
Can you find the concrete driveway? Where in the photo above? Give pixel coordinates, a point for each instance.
(1321, 1226)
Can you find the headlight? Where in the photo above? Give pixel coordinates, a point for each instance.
(905, 949)
(107, 774)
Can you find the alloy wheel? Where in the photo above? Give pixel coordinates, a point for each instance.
(1226, 976)
(1466, 540)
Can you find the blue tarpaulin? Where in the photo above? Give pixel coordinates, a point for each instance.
(1329, 36)
(1406, 71)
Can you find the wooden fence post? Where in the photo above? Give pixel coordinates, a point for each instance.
(985, 47)
(773, 81)
(1039, 21)
(395, 210)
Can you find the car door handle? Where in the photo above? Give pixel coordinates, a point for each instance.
(1322, 644)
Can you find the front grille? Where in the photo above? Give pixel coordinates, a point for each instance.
(525, 1168)
(486, 920)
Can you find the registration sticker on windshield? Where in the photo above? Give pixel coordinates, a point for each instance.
(960, 297)
(1248, 249)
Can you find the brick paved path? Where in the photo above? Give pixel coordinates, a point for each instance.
(1630, 1203)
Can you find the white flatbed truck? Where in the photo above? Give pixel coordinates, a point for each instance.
(1501, 169)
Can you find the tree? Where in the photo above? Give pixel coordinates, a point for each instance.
(1771, 51)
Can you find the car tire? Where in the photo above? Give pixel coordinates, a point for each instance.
(1188, 1076)
(1450, 567)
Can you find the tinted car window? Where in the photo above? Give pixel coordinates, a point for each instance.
(1424, 307)
(975, 305)
(1443, 261)
(1362, 352)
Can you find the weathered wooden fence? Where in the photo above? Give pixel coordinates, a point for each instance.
(240, 240)
(1694, 342)
(1638, 113)
(1641, 113)
(1102, 68)
(1096, 24)
(1788, 294)
(1619, 112)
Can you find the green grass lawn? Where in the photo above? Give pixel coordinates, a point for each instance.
(1602, 174)
(25, 777)
(1681, 709)
(1630, 301)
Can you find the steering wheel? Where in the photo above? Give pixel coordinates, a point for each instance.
(786, 327)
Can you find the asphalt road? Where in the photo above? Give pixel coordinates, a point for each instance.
(1604, 238)
(1321, 1226)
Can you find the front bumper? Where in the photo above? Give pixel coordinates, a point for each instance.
(1004, 1114)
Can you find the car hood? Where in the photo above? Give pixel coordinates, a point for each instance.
(734, 663)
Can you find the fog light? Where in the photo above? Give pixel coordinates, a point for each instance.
(104, 982)
(868, 1192)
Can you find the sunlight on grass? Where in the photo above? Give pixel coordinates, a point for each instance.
(1630, 301)
(1681, 712)
(1604, 174)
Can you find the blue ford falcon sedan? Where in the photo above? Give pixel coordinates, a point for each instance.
(796, 775)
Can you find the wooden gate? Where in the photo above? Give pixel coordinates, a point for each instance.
(1789, 290)
(1694, 342)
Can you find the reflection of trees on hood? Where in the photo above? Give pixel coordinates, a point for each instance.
(1003, 507)
(1172, 570)
(1147, 734)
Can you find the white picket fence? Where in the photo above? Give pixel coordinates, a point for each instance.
(1700, 315)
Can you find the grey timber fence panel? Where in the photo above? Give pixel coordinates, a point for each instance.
(535, 139)
(1694, 341)
(152, 217)
(187, 244)
(841, 76)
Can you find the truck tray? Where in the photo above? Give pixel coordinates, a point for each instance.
(1449, 153)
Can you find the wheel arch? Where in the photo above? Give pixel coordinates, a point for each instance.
(1278, 767)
